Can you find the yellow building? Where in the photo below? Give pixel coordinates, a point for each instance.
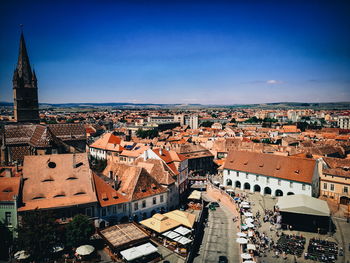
(335, 180)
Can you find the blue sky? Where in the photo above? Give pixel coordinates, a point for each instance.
(215, 52)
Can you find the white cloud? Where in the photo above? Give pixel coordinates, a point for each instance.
(273, 81)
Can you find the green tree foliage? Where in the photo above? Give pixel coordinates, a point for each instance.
(207, 124)
(150, 134)
(254, 120)
(78, 231)
(233, 120)
(38, 234)
(97, 165)
(6, 241)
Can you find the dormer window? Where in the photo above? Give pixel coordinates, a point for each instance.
(297, 171)
(7, 190)
(60, 195)
(38, 197)
(72, 178)
(50, 179)
(104, 196)
(51, 165)
(80, 193)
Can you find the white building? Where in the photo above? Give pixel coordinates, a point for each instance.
(272, 174)
(344, 122)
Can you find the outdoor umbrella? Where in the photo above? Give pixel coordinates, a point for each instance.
(249, 261)
(244, 203)
(242, 240)
(246, 256)
(248, 214)
(21, 255)
(85, 250)
(230, 190)
(216, 182)
(244, 227)
(249, 220)
(251, 246)
(245, 206)
(240, 234)
(250, 225)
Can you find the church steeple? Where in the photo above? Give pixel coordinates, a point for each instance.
(25, 90)
(23, 65)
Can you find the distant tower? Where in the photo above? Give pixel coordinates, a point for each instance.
(25, 90)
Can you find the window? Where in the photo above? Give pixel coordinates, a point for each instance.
(237, 174)
(103, 211)
(120, 206)
(257, 178)
(8, 218)
(154, 200)
(346, 190)
(246, 176)
(136, 206)
(325, 186)
(303, 187)
(332, 187)
(143, 203)
(161, 198)
(228, 172)
(114, 209)
(124, 208)
(279, 182)
(291, 184)
(267, 180)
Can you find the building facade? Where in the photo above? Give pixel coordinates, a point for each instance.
(271, 174)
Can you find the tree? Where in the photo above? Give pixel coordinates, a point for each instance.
(38, 234)
(6, 241)
(147, 133)
(78, 231)
(207, 124)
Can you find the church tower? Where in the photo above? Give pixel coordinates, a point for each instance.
(25, 90)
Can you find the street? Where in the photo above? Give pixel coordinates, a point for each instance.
(219, 237)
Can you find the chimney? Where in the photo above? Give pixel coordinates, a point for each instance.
(160, 151)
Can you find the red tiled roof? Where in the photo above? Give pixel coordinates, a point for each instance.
(9, 188)
(106, 194)
(284, 167)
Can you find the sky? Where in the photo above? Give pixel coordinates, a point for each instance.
(208, 52)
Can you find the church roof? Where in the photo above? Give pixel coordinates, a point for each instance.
(23, 68)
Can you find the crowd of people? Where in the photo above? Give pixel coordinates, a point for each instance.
(291, 244)
(322, 250)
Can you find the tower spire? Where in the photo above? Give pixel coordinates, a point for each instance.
(23, 64)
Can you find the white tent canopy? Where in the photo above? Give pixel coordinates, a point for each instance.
(303, 204)
(182, 240)
(171, 234)
(182, 230)
(196, 195)
(139, 251)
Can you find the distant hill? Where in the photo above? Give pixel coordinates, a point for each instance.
(122, 105)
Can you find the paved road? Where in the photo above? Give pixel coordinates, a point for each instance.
(219, 237)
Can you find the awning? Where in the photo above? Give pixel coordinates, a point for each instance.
(139, 251)
(147, 249)
(131, 253)
(182, 240)
(303, 204)
(195, 195)
(171, 234)
(182, 230)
